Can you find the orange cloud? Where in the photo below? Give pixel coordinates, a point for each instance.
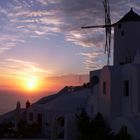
(15, 74)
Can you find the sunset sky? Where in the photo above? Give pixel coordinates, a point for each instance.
(43, 38)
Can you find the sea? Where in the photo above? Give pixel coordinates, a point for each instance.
(8, 99)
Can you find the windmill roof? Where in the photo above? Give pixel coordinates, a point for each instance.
(130, 16)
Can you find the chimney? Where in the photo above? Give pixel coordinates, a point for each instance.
(28, 104)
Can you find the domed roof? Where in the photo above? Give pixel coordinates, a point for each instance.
(130, 16)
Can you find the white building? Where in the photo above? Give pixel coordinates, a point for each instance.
(57, 113)
(115, 90)
(117, 93)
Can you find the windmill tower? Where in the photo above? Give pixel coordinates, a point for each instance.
(126, 36)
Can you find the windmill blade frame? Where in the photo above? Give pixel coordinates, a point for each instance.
(107, 29)
(108, 26)
(98, 26)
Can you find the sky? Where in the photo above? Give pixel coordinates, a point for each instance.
(43, 38)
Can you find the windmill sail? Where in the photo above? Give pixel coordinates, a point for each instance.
(107, 27)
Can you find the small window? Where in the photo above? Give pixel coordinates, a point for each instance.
(94, 81)
(61, 121)
(31, 116)
(104, 87)
(126, 88)
(92, 108)
(39, 118)
(122, 33)
(119, 26)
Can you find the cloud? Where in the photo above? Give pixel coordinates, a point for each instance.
(21, 68)
(93, 59)
(41, 18)
(19, 19)
(63, 16)
(68, 80)
(83, 13)
(47, 2)
(29, 20)
(9, 41)
(86, 39)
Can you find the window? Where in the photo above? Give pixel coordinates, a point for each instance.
(39, 121)
(94, 80)
(119, 26)
(39, 118)
(126, 88)
(31, 116)
(122, 33)
(61, 121)
(92, 108)
(104, 87)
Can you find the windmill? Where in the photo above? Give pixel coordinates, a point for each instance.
(107, 27)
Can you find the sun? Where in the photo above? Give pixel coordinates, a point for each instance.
(32, 83)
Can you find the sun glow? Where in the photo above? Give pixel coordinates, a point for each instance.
(32, 83)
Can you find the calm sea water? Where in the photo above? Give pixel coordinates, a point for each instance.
(8, 99)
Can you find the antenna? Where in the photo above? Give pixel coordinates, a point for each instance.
(107, 27)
